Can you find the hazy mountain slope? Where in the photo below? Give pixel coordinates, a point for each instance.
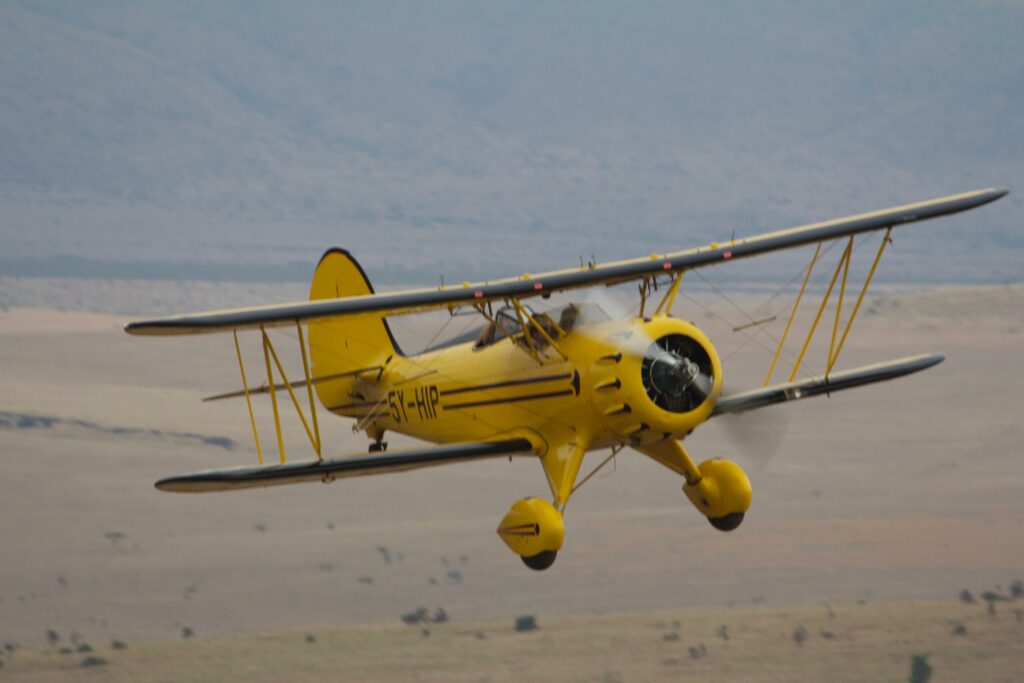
(468, 139)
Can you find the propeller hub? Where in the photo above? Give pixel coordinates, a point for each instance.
(677, 373)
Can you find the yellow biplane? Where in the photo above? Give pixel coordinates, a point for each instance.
(550, 384)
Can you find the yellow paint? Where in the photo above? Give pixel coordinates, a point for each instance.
(839, 305)
(248, 399)
(344, 345)
(532, 526)
(792, 314)
(273, 396)
(562, 466)
(723, 489)
(318, 446)
(291, 392)
(821, 309)
(860, 299)
(568, 387)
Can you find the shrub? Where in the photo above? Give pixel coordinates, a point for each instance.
(920, 669)
(526, 622)
(92, 660)
(117, 645)
(799, 635)
(417, 617)
(965, 596)
(992, 598)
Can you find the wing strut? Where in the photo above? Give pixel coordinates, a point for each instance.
(886, 239)
(269, 352)
(834, 349)
(248, 399)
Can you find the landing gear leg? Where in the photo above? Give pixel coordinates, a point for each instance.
(378, 446)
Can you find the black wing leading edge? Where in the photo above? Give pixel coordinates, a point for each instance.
(411, 301)
(340, 468)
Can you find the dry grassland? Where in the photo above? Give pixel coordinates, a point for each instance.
(896, 495)
(840, 643)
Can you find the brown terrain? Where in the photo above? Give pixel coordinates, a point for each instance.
(886, 498)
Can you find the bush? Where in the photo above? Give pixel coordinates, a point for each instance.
(992, 598)
(117, 645)
(420, 616)
(527, 622)
(52, 637)
(799, 635)
(920, 669)
(966, 597)
(93, 661)
(1017, 589)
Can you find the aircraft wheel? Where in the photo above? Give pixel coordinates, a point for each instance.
(541, 561)
(727, 522)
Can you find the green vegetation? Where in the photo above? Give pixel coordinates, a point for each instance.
(527, 622)
(920, 669)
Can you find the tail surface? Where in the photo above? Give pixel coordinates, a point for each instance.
(341, 346)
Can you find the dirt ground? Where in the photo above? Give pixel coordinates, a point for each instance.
(910, 490)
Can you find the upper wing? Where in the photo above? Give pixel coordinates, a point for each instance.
(410, 301)
(339, 468)
(824, 384)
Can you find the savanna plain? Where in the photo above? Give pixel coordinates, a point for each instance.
(884, 533)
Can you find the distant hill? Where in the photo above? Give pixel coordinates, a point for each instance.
(195, 139)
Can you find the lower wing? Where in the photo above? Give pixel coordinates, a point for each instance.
(825, 384)
(340, 468)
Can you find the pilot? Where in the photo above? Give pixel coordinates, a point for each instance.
(567, 321)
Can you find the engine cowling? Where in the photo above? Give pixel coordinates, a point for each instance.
(662, 380)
